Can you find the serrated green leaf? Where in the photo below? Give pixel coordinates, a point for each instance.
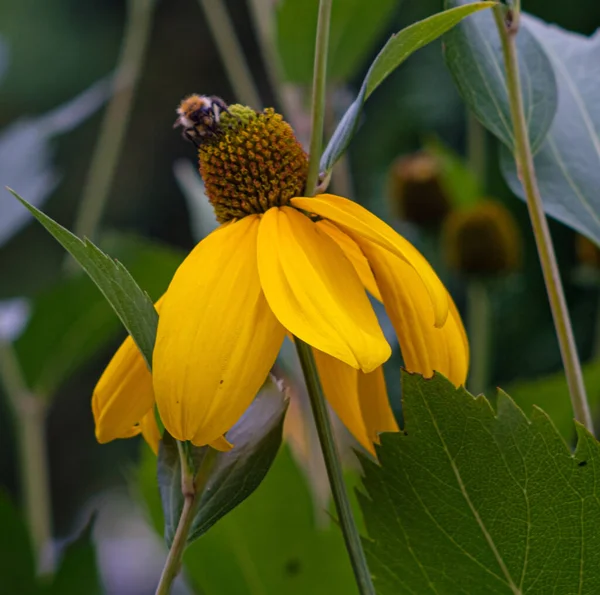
(474, 56)
(17, 567)
(568, 163)
(398, 48)
(467, 500)
(71, 321)
(234, 474)
(130, 303)
(77, 572)
(355, 27)
(551, 393)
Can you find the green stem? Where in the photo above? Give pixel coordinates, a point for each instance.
(192, 487)
(318, 96)
(479, 325)
(114, 125)
(508, 25)
(334, 469)
(231, 53)
(30, 417)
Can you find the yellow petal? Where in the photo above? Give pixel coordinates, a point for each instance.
(354, 254)
(340, 385)
(217, 337)
(424, 347)
(150, 430)
(315, 292)
(361, 224)
(123, 395)
(375, 405)
(221, 444)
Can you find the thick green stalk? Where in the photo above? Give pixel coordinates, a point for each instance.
(508, 25)
(192, 487)
(108, 149)
(232, 55)
(30, 416)
(334, 469)
(318, 96)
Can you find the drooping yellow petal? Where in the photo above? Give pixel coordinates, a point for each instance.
(361, 224)
(354, 254)
(221, 444)
(217, 337)
(123, 395)
(375, 405)
(424, 347)
(150, 430)
(340, 385)
(315, 292)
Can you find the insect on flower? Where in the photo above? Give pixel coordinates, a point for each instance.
(200, 116)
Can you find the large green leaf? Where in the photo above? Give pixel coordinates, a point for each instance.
(17, 569)
(467, 500)
(568, 163)
(234, 474)
(474, 56)
(398, 48)
(71, 321)
(355, 27)
(131, 304)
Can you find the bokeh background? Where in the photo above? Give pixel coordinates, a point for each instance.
(56, 63)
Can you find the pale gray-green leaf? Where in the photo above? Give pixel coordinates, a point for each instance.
(130, 303)
(474, 56)
(398, 48)
(469, 500)
(234, 474)
(568, 163)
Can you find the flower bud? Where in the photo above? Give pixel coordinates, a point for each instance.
(416, 190)
(483, 240)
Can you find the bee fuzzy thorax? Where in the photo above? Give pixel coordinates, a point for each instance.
(200, 116)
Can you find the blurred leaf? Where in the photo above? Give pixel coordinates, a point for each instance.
(470, 501)
(26, 155)
(551, 394)
(234, 475)
(14, 315)
(17, 568)
(131, 304)
(398, 48)
(202, 215)
(355, 28)
(271, 545)
(474, 56)
(4, 57)
(568, 163)
(459, 182)
(71, 321)
(77, 573)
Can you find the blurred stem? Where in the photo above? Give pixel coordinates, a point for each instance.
(477, 148)
(192, 487)
(596, 346)
(479, 325)
(30, 417)
(508, 26)
(334, 469)
(108, 149)
(318, 96)
(231, 53)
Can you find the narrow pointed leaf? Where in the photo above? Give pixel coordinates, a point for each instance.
(470, 500)
(131, 304)
(234, 475)
(568, 163)
(398, 48)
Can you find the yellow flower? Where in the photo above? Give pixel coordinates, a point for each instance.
(281, 265)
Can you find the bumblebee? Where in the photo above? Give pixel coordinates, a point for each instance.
(199, 116)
